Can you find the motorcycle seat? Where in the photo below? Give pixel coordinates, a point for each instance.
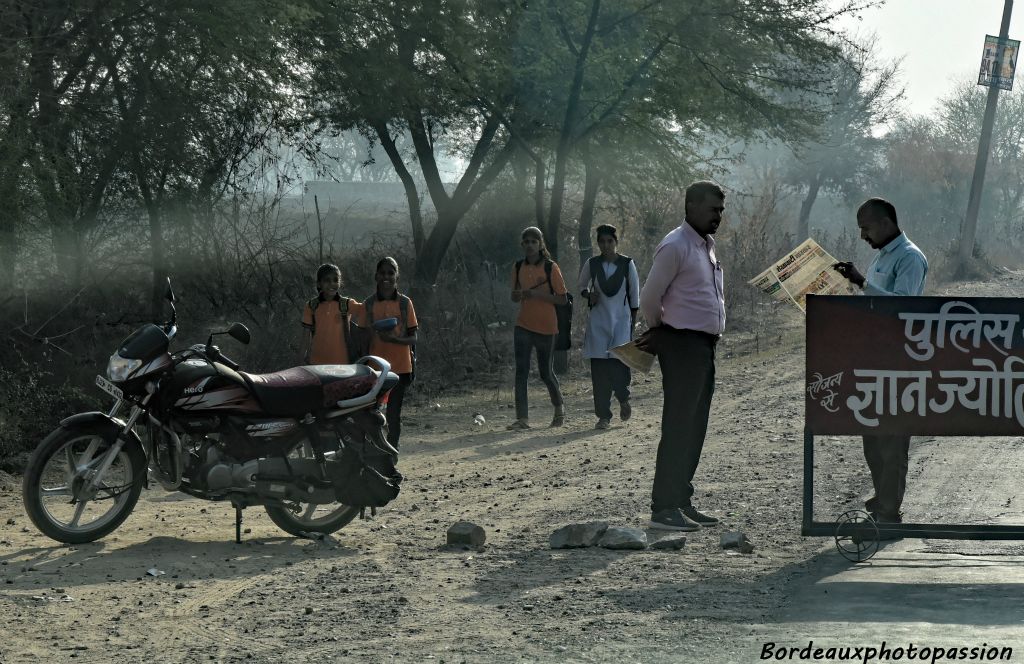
(300, 390)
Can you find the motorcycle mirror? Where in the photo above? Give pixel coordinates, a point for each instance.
(240, 333)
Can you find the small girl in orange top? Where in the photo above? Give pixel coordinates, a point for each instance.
(537, 285)
(326, 320)
(394, 344)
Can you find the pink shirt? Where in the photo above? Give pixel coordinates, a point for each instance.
(684, 288)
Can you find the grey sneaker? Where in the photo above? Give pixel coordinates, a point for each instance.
(603, 423)
(518, 425)
(703, 519)
(672, 519)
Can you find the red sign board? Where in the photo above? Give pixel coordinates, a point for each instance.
(915, 365)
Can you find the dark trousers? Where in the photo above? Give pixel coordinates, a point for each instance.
(525, 342)
(888, 458)
(608, 376)
(687, 360)
(393, 413)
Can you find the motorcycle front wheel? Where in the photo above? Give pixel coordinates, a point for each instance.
(66, 496)
(301, 518)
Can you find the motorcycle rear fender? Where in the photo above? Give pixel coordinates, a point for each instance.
(97, 418)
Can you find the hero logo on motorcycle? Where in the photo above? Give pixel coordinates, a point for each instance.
(307, 444)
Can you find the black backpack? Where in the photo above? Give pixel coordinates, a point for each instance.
(563, 340)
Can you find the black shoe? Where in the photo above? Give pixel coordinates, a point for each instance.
(882, 520)
(625, 410)
(672, 519)
(703, 519)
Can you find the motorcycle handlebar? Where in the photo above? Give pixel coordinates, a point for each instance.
(214, 354)
(231, 364)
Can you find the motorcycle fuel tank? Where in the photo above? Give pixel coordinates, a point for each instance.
(201, 388)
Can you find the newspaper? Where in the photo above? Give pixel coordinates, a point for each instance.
(805, 270)
(633, 357)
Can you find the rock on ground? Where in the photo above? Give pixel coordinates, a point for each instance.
(623, 538)
(466, 533)
(671, 543)
(734, 539)
(577, 535)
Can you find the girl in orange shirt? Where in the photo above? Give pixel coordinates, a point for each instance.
(537, 285)
(394, 344)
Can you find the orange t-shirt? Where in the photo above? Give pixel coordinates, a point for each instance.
(399, 355)
(537, 315)
(329, 345)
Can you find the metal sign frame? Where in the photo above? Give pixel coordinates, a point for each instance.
(913, 366)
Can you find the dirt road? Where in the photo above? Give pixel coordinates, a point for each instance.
(388, 589)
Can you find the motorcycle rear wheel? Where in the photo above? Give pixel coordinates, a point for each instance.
(323, 518)
(56, 490)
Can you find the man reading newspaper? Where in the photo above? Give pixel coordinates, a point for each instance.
(899, 268)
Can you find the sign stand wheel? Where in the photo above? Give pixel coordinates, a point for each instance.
(858, 547)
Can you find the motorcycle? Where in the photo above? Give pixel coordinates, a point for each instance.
(308, 444)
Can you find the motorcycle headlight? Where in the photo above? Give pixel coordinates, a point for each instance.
(119, 368)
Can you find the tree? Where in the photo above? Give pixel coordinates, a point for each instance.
(60, 143)
(208, 84)
(420, 69)
(960, 119)
(862, 96)
(655, 69)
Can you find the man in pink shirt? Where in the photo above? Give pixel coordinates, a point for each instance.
(684, 305)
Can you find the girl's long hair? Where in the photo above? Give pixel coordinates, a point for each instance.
(534, 232)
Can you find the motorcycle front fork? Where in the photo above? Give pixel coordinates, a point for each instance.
(96, 476)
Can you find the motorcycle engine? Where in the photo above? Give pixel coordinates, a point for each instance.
(211, 470)
(214, 472)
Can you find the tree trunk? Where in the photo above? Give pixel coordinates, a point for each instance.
(10, 239)
(590, 189)
(451, 209)
(566, 136)
(156, 247)
(538, 193)
(429, 260)
(803, 223)
(9, 247)
(412, 197)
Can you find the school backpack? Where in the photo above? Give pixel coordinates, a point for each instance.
(403, 310)
(563, 312)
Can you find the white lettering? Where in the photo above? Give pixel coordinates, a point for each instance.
(964, 324)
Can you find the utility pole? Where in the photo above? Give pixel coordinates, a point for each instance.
(970, 227)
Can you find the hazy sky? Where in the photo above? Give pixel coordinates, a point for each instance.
(941, 40)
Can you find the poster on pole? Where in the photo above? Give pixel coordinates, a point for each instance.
(998, 62)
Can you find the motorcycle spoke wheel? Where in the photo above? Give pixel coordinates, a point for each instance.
(63, 495)
(299, 518)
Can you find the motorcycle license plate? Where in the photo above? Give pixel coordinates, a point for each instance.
(109, 388)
